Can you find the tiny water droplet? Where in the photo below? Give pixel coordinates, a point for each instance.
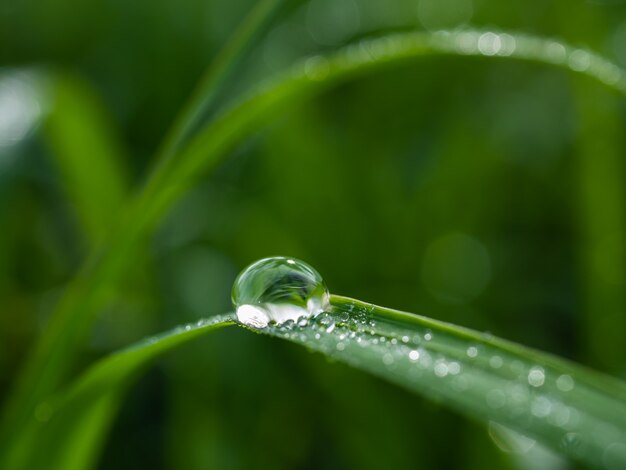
(536, 376)
(278, 290)
(454, 368)
(388, 359)
(441, 368)
(565, 383)
(495, 362)
(541, 407)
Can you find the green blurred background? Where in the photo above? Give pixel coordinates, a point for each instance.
(485, 193)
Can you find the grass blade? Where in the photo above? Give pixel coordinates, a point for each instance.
(569, 408)
(88, 154)
(217, 74)
(576, 411)
(50, 360)
(68, 430)
(602, 227)
(316, 74)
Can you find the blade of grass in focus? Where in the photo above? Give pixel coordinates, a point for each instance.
(575, 411)
(174, 176)
(68, 430)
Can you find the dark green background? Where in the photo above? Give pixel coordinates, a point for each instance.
(486, 193)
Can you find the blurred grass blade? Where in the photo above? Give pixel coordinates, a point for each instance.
(217, 74)
(602, 227)
(574, 410)
(68, 430)
(51, 358)
(316, 74)
(89, 154)
(173, 177)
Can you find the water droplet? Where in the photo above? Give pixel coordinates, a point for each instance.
(556, 52)
(541, 407)
(278, 290)
(489, 44)
(441, 368)
(414, 355)
(454, 368)
(536, 376)
(472, 351)
(565, 383)
(560, 414)
(579, 60)
(495, 362)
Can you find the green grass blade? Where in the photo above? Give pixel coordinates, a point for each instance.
(69, 133)
(574, 410)
(88, 153)
(171, 180)
(601, 224)
(217, 74)
(68, 430)
(316, 74)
